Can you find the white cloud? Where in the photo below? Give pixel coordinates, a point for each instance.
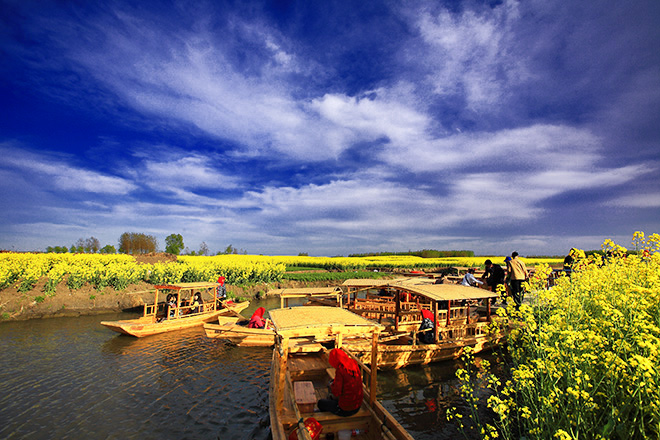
(469, 53)
(58, 173)
(534, 147)
(648, 200)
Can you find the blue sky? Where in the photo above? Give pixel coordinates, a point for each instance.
(330, 127)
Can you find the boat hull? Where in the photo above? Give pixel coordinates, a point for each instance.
(373, 421)
(147, 326)
(229, 329)
(393, 356)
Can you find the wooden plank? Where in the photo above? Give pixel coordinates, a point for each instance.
(304, 394)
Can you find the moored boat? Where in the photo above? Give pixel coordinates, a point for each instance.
(460, 316)
(300, 373)
(235, 330)
(188, 305)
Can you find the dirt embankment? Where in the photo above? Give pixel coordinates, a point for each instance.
(15, 305)
(87, 300)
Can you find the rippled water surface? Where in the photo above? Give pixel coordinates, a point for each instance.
(73, 378)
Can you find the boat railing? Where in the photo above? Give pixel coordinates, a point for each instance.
(150, 309)
(186, 310)
(478, 329)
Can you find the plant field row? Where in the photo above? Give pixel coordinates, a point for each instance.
(118, 271)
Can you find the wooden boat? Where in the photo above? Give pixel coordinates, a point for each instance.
(313, 294)
(235, 329)
(460, 321)
(300, 362)
(180, 313)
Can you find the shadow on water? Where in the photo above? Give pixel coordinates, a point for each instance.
(73, 378)
(419, 397)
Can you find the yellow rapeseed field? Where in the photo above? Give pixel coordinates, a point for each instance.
(584, 354)
(119, 271)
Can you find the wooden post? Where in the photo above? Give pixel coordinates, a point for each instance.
(448, 313)
(467, 316)
(436, 327)
(155, 305)
(488, 309)
(374, 367)
(284, 354)
(178, 304)
(397, 310)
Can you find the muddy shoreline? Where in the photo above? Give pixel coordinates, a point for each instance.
(65, 302)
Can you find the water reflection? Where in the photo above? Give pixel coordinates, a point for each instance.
(419, 397)
(68, 378)
(73, 378)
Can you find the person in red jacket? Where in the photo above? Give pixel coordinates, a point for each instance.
(346, 389)
(257, 319)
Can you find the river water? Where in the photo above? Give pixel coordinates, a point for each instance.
(71, 378)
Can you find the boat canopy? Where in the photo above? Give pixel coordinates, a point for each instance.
(305, 291)
(426, 288)
(319, 321)
(444, 292)
(365, 282)
(187, 286)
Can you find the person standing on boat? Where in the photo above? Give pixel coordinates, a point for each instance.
(257, 319)
(346, 389)
(221, 291)
(518, 274)
(470, 280)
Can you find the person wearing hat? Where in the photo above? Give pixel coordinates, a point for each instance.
(518, 274)
(221, 291)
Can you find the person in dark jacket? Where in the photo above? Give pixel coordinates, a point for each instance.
(494, 275)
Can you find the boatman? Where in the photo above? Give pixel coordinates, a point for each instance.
(221, 291)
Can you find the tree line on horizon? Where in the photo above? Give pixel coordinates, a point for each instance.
(425, 253)
(136, 243)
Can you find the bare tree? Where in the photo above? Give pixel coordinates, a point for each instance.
(137, 243)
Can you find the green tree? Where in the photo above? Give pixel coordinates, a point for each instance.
(108, 249)
(174, 244)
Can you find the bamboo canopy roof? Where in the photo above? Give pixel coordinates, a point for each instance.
(426, 288)
(444, 292)
(306, 291)
(365, 282)
(319, 320)
(186, 286)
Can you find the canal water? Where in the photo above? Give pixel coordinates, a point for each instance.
(71, 378)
